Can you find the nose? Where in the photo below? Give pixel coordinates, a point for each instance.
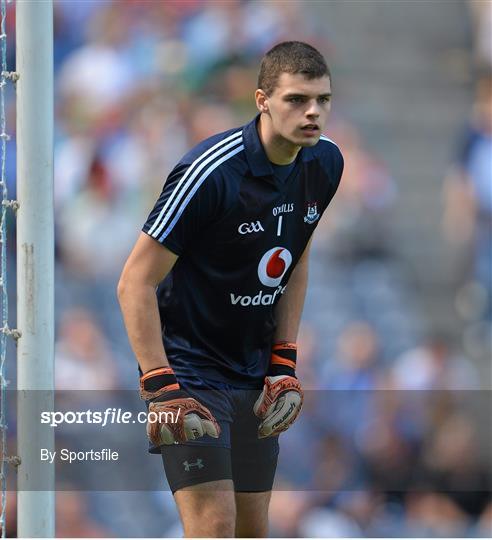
(313, 109)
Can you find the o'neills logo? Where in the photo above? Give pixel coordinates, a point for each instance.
(283, 209)
(260, 299)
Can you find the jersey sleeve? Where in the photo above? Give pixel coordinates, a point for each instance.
(338, 166)
(334, 168)
(184, 209)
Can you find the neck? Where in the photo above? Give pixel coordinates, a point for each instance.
(278, 150)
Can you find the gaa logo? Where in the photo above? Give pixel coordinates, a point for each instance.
(246, 228)
(273, 266)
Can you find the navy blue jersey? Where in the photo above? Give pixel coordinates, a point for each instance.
(239, 231)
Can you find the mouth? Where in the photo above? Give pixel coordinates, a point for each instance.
(310, 129)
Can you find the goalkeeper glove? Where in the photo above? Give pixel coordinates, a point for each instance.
(178, 417)
(281, 399)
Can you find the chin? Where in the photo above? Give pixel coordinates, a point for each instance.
(303, 142)
(308, 143)
(312, 142)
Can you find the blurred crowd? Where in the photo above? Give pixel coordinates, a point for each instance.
(391, 439)
(467, 218)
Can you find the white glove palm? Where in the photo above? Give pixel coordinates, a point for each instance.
(278, 405)
(189, 421)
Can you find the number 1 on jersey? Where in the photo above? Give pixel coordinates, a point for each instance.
(279, 226)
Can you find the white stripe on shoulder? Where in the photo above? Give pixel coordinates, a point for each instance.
(177, 197)
(325, 138)
(216, 150)
(197, 185)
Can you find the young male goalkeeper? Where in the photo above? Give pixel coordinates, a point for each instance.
(227, 248)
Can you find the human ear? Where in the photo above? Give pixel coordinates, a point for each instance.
(261, 101)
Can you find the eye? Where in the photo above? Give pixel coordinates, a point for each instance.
(295, 99)
(324, 100)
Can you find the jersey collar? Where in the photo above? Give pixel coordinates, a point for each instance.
(255, 154)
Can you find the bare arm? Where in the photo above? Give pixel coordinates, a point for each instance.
(289, 307)
(145, 268)
(281, 380)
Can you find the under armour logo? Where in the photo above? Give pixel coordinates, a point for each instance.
(198, 463)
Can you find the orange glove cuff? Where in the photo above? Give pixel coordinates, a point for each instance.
(283, 359)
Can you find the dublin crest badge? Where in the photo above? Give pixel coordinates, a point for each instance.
(312, 213)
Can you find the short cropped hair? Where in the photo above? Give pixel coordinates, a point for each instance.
(290, 57)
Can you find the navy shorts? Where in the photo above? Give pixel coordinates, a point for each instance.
(238, 454)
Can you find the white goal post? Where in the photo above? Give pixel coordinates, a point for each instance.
(35, 264)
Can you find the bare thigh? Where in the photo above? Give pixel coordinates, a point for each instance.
(207, 509)
(252, 514)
